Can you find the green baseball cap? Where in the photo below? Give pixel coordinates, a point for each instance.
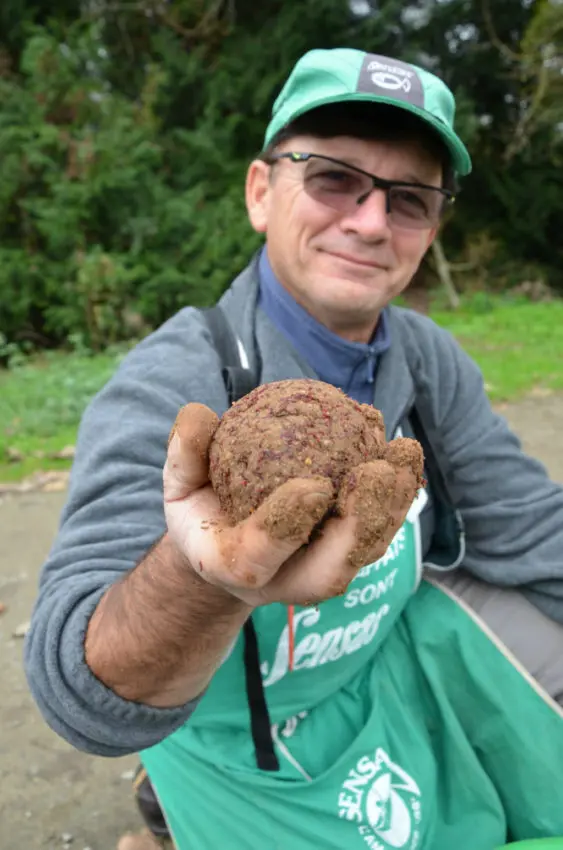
(342, 75)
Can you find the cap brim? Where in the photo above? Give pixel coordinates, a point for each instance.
(460, 156)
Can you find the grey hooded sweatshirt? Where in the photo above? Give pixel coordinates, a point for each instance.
(503, 521)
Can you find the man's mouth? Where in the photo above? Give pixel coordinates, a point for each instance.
(359, 261)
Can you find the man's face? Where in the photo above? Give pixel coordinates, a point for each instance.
(342, 268)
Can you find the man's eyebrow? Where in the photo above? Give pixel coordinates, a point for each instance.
(411, 177)
(350, 160)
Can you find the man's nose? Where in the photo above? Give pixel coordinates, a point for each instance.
(369, 218)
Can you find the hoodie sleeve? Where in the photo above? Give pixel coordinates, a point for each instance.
(512, 511)
(113, 515)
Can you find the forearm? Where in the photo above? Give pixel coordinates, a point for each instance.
(160, 633)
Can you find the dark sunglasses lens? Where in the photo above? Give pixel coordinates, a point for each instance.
(415, 207)
(335, 185)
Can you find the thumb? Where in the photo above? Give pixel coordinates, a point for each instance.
(187, 461)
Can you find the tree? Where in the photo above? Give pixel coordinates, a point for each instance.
(126, 129)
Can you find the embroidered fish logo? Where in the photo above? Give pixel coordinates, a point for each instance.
(391, 82)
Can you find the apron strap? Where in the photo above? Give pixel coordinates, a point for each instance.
(260, 725)
(238, 379)
(238, 382)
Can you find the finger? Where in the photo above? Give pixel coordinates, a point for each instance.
(408, 460)
(246, 556)
(377, 496)
(373, 502)
(404, 452)
(320, 570)
(256, 548)
(359, 535)
(187, 462)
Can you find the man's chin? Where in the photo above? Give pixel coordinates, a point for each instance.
(348, 290)
(353, 302)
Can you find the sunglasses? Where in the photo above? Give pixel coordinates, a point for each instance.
(345, 187)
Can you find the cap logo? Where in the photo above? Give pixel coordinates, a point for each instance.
(391, 78)
(390, 81)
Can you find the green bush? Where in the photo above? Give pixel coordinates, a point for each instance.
(126, 129)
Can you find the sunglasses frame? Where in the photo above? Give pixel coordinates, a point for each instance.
(377, 182)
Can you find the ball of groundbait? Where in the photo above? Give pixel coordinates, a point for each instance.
(289, 429)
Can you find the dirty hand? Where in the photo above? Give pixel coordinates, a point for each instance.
(264, 558)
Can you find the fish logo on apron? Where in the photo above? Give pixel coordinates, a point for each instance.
(384, 801)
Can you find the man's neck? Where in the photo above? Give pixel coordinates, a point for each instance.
(351, 333)
(343, 361)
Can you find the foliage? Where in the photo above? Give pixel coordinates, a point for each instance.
(126, 129)
(541, 64)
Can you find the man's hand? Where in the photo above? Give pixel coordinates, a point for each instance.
(159, 633)
(264, 559)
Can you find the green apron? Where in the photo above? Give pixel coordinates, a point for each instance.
(402, 725)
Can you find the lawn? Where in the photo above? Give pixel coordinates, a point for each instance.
(517, 344)
(41, 402)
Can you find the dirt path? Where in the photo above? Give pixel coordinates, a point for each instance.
(48, 791)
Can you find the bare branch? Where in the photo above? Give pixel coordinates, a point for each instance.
(209, 25)
(444, 273)
(492, 33)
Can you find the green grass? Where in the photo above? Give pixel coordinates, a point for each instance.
(517, 344)
(41, 402)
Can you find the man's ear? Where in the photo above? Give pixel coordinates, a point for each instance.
(257, 194)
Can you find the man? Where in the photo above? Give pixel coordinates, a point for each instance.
(405, 721)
